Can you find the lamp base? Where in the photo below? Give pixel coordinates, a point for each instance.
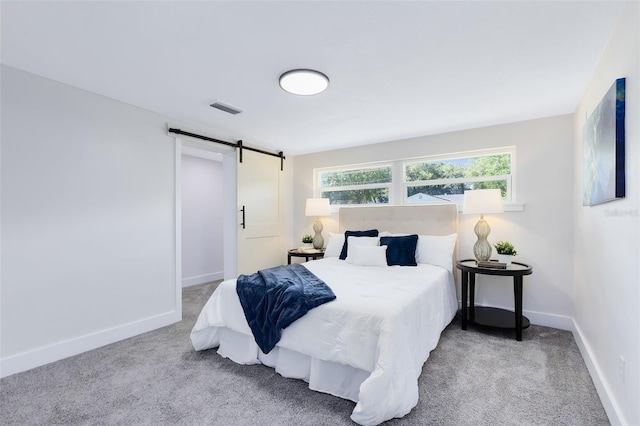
(318, 241)
(482, 248)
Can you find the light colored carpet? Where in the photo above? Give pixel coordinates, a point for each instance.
(471, 378)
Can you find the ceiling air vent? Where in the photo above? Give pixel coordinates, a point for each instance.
(226, 108)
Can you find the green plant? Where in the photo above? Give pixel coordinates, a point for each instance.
(307, 239)
(505, 247)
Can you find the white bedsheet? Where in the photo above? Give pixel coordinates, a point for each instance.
(384, 322)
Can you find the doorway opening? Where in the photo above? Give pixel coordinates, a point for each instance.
(211, 230)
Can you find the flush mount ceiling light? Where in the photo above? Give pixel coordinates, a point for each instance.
(304, 82)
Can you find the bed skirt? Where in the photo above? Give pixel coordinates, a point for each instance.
(329, 377)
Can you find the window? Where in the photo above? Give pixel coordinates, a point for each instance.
(434, 180)
(355, 186)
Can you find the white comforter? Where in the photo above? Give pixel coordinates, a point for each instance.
(384, 321)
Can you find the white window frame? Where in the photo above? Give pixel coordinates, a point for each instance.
(510, 178)
(398, 185)
(318, 190)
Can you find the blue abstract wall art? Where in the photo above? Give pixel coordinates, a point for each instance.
(604, 149)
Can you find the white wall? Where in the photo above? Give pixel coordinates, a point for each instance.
(230, 213)
(202, 220)
(88, 221)
(542, 233)
(607, 246)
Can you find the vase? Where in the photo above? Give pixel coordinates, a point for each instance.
(505, 258)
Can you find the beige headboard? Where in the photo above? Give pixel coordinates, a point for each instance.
(434, 219)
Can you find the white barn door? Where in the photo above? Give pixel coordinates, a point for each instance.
(259, 212)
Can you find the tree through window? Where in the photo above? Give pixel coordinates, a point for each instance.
(364, 185)
(419, 181)
(446, 179)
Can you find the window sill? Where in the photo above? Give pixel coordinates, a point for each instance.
(508, 207)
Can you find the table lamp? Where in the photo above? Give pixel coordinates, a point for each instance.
(317, 207)
(482, 201)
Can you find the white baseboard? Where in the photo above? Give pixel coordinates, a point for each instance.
(549, 320)
(201, 279)
(609, 403)
(41, 356)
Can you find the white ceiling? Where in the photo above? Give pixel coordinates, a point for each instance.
(397, 69)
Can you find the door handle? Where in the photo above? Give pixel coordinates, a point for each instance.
(243, 220)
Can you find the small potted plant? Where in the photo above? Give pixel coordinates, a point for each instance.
(505, 251)
(307, 240)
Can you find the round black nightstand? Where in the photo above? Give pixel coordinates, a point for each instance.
(493, 317)
(307, 255)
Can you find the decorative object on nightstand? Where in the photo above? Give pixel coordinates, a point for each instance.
(307, 242)
(317, 207)
(506, 251)
(482, 201)
(491, 264)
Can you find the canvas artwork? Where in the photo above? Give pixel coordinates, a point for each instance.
(604, 149)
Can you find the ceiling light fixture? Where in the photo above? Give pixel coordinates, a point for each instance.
(304, 82)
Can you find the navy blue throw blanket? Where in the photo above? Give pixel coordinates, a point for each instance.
(272, 299)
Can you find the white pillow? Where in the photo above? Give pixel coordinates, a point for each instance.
(361, 241)
(391, 234)
(436, 250)
(334, 246)
(367, 255)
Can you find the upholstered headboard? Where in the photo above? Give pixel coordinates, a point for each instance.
(434, 219)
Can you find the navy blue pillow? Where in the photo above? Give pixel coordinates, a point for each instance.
(347, 234)
(401, 250)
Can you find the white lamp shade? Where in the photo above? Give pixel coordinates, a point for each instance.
(482, 201)
(317, 207)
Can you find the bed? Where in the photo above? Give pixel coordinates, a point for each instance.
(369, 344)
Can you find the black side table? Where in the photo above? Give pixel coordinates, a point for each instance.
(300, 253)
(493, 317)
